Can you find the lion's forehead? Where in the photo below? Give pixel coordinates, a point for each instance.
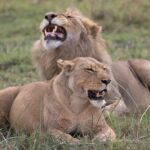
(69, 17)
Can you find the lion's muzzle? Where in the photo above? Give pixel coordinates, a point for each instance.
(54, 32)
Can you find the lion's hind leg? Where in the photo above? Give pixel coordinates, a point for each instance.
(141, 68)
(7, 96)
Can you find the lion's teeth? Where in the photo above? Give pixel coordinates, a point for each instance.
(46, 33)
(97, 94)
(54, 33)
(54, 30)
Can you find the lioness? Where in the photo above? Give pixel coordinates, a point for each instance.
(70, 102)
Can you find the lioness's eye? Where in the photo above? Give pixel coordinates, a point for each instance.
(105, 69)
(90, 70)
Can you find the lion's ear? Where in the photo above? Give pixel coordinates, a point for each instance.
(91, 27)
(67, 65)
(73, 11)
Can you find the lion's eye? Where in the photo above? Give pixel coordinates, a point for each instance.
(90, 70)
(104, 68)
(69, 16)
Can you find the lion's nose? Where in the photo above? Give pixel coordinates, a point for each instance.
(50, 16)
(106, 81)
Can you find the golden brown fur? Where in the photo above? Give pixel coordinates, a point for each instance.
(6, 99)
(62, 105)
(83, 39)
(86, 41)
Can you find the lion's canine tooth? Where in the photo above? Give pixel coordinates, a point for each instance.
(97, 94)
(45, 32)
(55, 29)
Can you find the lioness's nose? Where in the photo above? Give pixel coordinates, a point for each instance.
(50, 16)
(105, 81)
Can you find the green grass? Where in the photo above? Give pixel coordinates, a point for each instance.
(126, 29)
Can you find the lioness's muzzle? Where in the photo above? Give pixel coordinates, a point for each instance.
(96, 94)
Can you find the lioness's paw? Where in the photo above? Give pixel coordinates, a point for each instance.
(74, 141)
(109, 135)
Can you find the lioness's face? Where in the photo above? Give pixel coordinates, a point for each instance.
(64, 29)
(89, 79)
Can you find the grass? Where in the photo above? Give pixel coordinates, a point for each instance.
(126, 31)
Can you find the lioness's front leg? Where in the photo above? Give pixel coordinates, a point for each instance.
(104, 135)
(64, 136)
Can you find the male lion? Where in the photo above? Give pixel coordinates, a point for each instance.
(133, 77)
(70, 102)
(67, 35)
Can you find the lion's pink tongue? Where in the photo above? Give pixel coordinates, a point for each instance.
(59, 35)
(97, 94)
(52, 34)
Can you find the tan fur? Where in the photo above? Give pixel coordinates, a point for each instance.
(86, 41)
(7, 97)
(133, 77)
(61, 106)
(83, 39)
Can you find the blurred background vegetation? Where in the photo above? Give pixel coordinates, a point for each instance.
(126, 30)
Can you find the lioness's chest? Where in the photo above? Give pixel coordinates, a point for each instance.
(72, 117)
(84, 122)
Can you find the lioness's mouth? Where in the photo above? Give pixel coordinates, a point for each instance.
(96, 94)
(54, 32)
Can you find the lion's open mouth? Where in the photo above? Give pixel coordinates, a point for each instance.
(96, 94)
(54, 32)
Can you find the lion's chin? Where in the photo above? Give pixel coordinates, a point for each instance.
(51, 44)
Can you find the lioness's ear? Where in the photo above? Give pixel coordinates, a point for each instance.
(91, 27)
(67, 65)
